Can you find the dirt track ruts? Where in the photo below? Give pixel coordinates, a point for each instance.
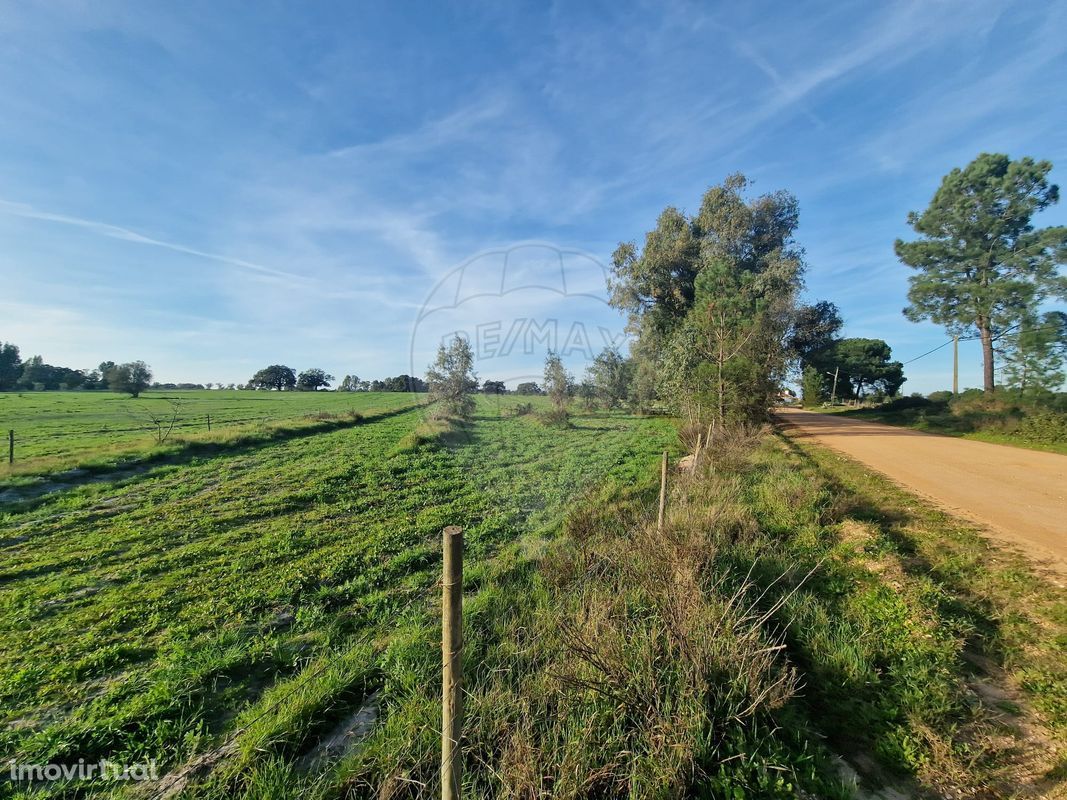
(1020, 495)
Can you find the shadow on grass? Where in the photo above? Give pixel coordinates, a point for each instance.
(25, 497)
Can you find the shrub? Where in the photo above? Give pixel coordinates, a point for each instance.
(554, 418)
(903, 403)
(1043, 425)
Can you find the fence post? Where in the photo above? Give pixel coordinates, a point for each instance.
(662, 492)
(11, 446)
(452, 664)
(209, 422)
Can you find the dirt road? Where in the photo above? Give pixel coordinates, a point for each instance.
(1021, 495)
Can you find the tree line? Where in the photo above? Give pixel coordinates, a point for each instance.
(34, 374)
(716, 326)
(713, 312)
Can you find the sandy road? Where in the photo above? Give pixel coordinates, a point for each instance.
(1020, 495)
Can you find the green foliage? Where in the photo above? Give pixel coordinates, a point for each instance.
(352, 383)
(528, 388)
(132, 378)
(812, 387)
(1007, 417)
(10, 366)
(862, 364)
(557, 385)
(451, 378)
(609, 376)
(313, 379)
(1034, 355)
(980, 264)
(814, 329)
(276, 376)
(711, 298)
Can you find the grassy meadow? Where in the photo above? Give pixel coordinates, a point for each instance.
(56, 430)
(148, 616)
(230, 611)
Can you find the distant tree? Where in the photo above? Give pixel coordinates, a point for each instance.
(980, 264)
(131, 378)
(557, 381)
(494, 387)
(450, 378)
(528, 388)
(350, 383)
(92, 380)
(865, 364)
(35, 374)
(10, 366)
(812, 386)
(1034, 355)
(586, 392)
(311, 380)
(276, 376)
(610, 376)
(815, 327)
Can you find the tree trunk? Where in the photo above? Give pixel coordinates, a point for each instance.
(987, 354)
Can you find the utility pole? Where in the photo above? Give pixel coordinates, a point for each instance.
(833, 392)
(955, 365)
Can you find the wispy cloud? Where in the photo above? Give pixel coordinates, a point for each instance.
(126, 235)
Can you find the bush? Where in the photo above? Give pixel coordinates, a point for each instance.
(555, 418)
(1043, 425)
(903, 403)
(522, 409)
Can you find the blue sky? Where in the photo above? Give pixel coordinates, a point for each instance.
(213, 187)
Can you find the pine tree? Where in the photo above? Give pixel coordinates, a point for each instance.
(980, 264)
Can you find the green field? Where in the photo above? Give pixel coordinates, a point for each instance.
(235, 599)
(54, 428)
(147, 615)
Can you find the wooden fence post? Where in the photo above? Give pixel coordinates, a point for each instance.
(452, 664)
(662, 492)
(11, 446)
(209, 422)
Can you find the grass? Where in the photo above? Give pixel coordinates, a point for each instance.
(64, 430)
(151, 616)
(237, 609)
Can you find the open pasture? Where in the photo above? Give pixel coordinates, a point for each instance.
(64, 429)
(149, 616)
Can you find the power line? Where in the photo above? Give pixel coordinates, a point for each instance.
(1000, 335)
(928, 352)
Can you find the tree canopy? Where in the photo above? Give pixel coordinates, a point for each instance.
(710, 298)
(313, 379)
(131, 378)
(980, 265)
(451, 377)
(276, 376)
